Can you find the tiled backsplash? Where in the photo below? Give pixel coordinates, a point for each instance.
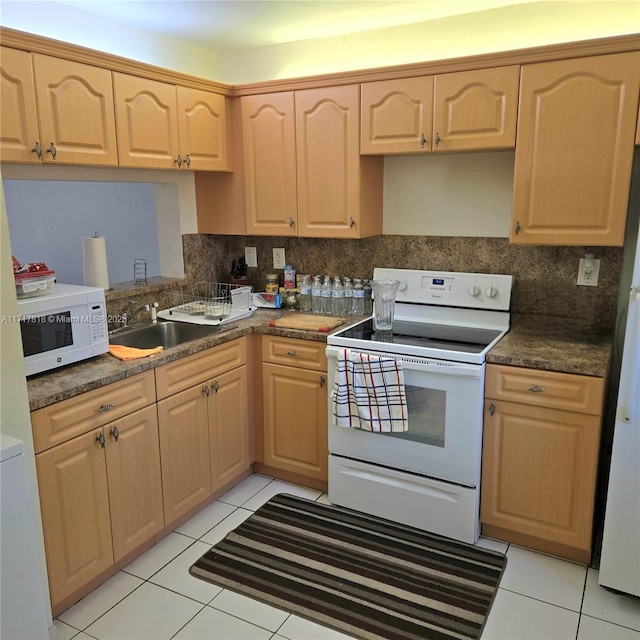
(544, 277)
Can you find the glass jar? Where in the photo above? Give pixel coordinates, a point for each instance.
(272, 285)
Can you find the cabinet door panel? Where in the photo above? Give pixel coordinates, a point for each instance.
(75, 107)
(328, 161)
(295, 420)
(184, 452)
(18, 116)
(268, 129)
(74, 499)
(476, 109)
(147, 122)
(574, 153)
(396, 116)
(229, 426)
(202, 130)
(539, 472)
(135, 487)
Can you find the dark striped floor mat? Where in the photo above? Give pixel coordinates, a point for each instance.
(366, 577)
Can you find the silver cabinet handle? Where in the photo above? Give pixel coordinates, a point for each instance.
(292, 353)
(105, 407)
(492, 408)
(115, 433)
(52, 150)
(37, 149)
(215, 386)
(352, 222)
(535, 389)
(423, 140)
(290, 222)
(322, 381)
(178, 161)
(436, 139)
(205, 390)
(100, 439)
(187, 160)
(516, 227)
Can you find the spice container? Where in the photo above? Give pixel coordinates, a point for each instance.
(272, 285)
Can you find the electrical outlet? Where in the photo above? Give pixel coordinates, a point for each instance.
(588, 272)
(251, 256)
(278, 259)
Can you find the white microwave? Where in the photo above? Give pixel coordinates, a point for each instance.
(64, 326)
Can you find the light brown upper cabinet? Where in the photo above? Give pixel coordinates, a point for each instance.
(162, 126)
(297, 143)
(449, 112)
(396, 116)
(574, 152)
(75, 109)
(202, 130)
(339, 191)
(19, 134)
(269, 139)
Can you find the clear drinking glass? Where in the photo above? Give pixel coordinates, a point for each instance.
(384, 302)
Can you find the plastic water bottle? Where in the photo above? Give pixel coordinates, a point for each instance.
(368, 300)
(326, 296)
(337, 297)
(305, 293)
(348, 295)
(357, 303)
(316, 295)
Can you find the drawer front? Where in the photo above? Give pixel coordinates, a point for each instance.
(307, 354)
(64, 420)
(550, 389)
(196, 369)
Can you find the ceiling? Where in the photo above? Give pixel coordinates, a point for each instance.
(230, 25)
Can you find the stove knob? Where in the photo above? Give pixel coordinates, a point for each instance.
(403, 286)
(491, 292)
(474, 290)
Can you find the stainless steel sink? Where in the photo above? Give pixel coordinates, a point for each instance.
(167, 334)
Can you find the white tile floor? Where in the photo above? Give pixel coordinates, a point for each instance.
(540, 598)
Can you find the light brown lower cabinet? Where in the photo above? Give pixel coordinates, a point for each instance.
(203, 424)
(116, 468)
(540, 458)
(204, 440)
(294, 388)
(100, 497)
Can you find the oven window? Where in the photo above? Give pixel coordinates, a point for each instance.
(427, 416)
(46, 333)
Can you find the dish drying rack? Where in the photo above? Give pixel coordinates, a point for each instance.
(209, 303)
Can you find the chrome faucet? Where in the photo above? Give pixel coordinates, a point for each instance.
(129, 315)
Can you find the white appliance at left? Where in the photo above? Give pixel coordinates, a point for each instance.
(67, 325)
(23, 614)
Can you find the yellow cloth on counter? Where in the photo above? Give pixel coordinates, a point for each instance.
(131, 353)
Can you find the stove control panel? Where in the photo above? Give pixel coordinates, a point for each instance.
(453, 289)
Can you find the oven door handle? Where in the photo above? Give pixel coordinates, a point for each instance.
(426, 365)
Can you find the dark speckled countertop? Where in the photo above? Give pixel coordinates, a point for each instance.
(554, 344)
(533, 341)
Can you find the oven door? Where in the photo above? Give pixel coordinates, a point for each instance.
(444, 436)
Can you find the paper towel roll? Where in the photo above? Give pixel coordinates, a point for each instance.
(94, 255)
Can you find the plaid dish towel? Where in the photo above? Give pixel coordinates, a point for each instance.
(368, 393)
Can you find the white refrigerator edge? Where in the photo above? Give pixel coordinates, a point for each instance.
(620, 557)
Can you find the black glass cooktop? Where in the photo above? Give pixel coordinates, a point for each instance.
(426, 335)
